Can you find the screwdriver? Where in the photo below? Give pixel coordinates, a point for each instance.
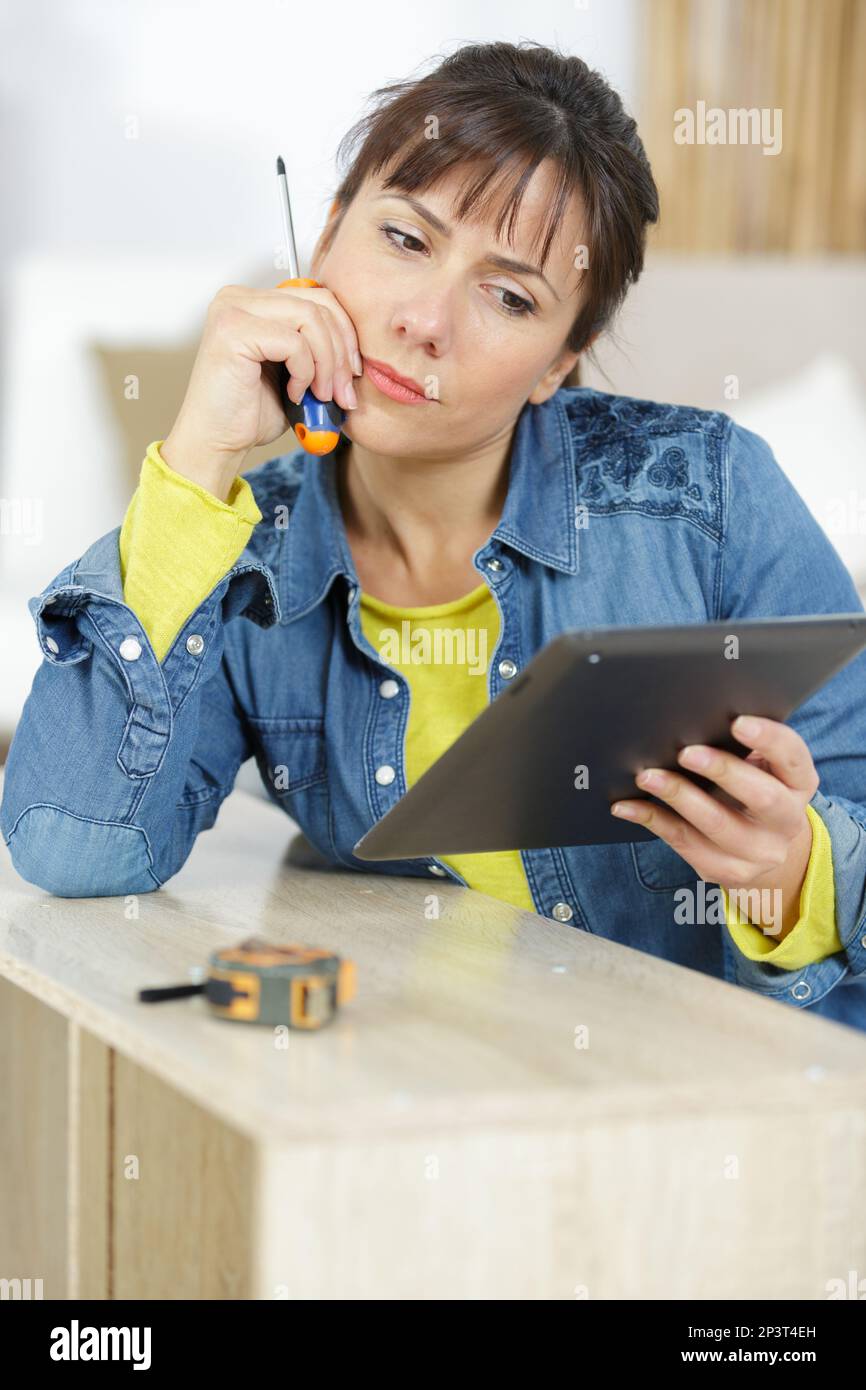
(316, 424)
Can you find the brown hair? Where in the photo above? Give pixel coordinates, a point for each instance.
(503, 108)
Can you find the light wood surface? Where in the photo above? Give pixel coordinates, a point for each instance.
(791, 57)
(445, 1137)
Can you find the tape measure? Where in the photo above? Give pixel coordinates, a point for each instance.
(261, 982)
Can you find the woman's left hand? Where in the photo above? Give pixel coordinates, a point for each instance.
(758, 834)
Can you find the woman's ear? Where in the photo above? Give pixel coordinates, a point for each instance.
(566, 369)
(553, 377)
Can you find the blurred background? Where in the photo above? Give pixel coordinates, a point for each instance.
(139, 141)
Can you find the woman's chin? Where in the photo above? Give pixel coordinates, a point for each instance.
(384, 432)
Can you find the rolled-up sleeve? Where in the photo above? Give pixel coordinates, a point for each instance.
(813, 936)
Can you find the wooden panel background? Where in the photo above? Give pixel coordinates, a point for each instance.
(808, 60)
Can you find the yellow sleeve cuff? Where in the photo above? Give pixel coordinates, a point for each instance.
(176, 543)
(814, 935)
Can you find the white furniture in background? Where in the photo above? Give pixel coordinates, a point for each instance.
(59, 446)
(815, 421)
(776, 342)
(692, 321)
(686, 328)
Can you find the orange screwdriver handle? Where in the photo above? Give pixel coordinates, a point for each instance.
(316, 424)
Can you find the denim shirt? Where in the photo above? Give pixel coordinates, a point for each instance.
(619, 512)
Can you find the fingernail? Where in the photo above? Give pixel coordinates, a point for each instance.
(695, 756)
(652, 778)
(358, 364)
(619, 808)
(350, 396)
(744, 725)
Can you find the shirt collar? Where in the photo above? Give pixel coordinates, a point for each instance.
(539, 518)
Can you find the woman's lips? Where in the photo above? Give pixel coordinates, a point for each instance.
(397, 391)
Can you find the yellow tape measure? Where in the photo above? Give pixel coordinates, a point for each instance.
(262, 982)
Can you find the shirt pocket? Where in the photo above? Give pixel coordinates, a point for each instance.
(292, 759)
(659, 868)
(290, 754)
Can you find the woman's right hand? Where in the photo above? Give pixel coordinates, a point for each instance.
(233, 400)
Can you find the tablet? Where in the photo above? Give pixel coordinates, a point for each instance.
(542, 765)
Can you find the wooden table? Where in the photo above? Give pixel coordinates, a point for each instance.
(449, 1136)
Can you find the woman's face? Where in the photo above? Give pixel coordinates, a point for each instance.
(429, 300)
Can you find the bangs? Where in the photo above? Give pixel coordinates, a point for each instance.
(496, 112)
(500, 145)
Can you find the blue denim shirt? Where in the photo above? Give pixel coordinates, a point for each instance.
(618, 512)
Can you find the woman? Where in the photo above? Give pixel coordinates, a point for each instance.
(490, 222)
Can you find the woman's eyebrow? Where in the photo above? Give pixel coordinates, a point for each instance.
(502, 262)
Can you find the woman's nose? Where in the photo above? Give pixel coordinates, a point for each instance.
(425, 321)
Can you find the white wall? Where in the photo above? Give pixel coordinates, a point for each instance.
(126, 239)
(219, 89)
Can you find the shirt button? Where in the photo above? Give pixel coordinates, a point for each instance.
(507, 669)
(351, 593)
(435, 869)
(195, 644)
(801, 990)
(385, 775)
(494, 564)
(562, 912)
(50, 598)
(130, 649)
(388, 689)
(51, 644)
